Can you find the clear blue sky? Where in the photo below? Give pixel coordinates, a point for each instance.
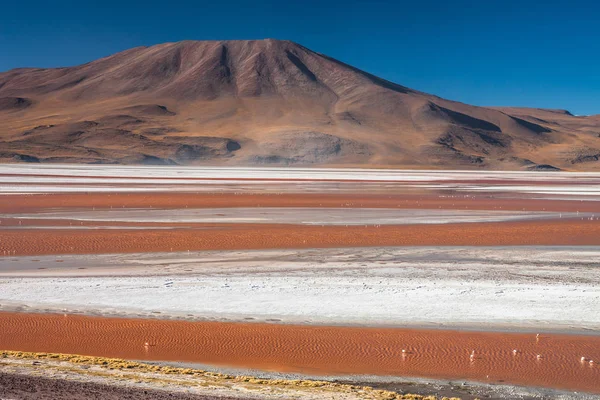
(484, 52)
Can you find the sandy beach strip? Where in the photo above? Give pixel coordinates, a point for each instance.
(264, 236)
(33, 376)
(74, 377)
(318, 349)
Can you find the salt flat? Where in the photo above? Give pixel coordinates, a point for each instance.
(199, 172)
(542, 288)
(57, 178)
(297, 215)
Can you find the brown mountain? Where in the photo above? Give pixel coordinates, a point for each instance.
(268, 102)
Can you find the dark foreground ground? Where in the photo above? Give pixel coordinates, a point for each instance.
(464, 391)
(23, 387)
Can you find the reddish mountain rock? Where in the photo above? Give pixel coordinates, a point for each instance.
(268, 102)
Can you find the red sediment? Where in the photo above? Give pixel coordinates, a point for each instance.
(319, 350)
(265, 236)
(38, 202)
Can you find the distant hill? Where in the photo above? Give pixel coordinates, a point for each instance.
(268, 102)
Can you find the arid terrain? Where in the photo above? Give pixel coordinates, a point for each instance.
(467, 284)
(268, 102)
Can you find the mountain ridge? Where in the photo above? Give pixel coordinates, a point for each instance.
(268, 102)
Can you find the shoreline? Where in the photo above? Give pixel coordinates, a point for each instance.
(61, 371)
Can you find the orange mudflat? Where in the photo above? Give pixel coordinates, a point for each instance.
(318, 350)
(266, 236)
(39, 202)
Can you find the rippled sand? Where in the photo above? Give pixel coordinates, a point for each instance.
(318, 350)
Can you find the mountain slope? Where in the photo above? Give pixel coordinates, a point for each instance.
(267, 102)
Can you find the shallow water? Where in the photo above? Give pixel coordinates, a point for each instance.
(318, 350)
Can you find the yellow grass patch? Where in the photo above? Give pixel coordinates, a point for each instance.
(124, 365)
